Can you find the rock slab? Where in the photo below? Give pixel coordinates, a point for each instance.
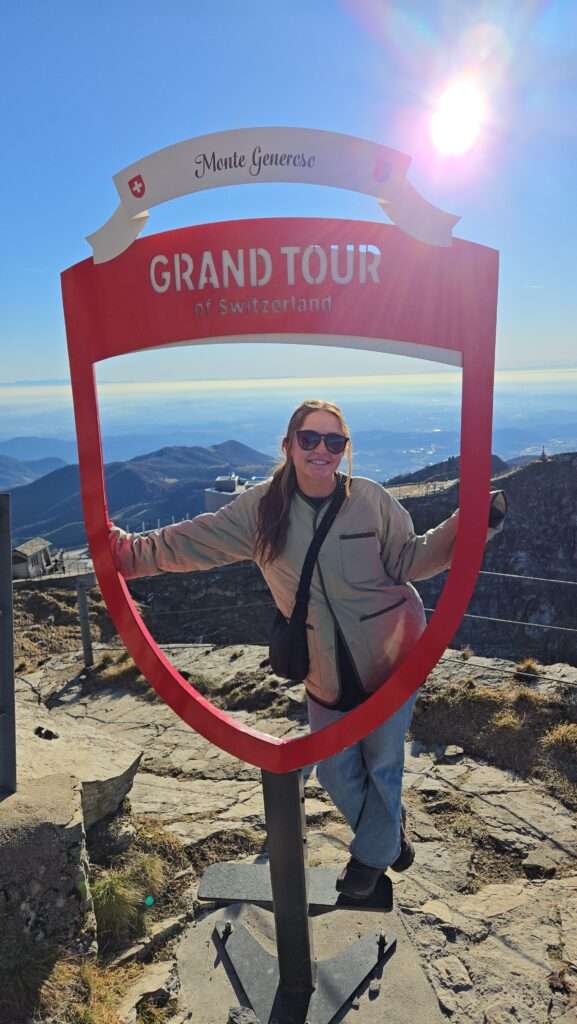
(45, 901)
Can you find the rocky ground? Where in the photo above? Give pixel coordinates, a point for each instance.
(487, 916)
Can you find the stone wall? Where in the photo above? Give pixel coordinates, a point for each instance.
(45, 903)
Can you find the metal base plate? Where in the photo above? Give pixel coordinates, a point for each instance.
(336, 980)
(228, 882)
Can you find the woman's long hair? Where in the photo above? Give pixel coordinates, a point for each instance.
(274, 507)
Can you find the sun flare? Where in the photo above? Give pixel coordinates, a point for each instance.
(458, 118)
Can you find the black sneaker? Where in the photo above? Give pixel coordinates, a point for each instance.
(358, 880)
(407, 854)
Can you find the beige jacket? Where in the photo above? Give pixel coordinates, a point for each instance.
(360, 584)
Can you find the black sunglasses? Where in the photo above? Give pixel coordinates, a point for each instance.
(310, 439)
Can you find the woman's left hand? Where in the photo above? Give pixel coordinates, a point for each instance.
(497, 510)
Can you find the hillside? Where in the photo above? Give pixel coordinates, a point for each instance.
(539, 542)
(18, 472)
(449, 469)
(162, 484)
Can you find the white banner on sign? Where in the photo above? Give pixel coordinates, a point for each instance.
(245, 156)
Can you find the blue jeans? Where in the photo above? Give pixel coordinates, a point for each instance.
(365, 782)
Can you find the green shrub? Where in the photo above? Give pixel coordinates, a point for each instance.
(147, 872)
(117, 905)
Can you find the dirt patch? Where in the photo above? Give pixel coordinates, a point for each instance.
(46, 624)
(258, 690)
(117, 669)
(463, 830)
(508, 726)
(58, 607)
(228, 844)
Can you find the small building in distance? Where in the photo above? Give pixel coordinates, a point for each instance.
(32, 558)
(226, 489)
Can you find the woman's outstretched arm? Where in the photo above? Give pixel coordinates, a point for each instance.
(208, 540)
(411, 556)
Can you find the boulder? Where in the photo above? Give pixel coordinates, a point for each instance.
(44, 892)
(105, 767)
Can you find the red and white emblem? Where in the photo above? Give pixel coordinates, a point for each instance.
(137, 186)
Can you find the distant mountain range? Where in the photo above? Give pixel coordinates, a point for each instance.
(160, 486)
(31, 449)
(16, 472)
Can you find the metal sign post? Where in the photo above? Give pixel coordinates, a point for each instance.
(82, 587)
(7, 704)
(292, 988)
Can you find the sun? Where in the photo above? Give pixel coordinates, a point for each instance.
(458, 118)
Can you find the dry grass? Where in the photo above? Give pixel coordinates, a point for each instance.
(58, 606)
(151, 1014)
(152, 837)
(560, 743)
(526, 668)
(24, 967)
(118, 905)
(508, 721)
(83, 993)
(120, 893)
(228, 844)
(529, 702)
(508, 740)
(147, 872)
(562, 738)
(511, 727)
(38, 983)
(120, 670)
(245, 691)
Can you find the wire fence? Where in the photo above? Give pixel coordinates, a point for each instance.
(198, 609)
(197, 606)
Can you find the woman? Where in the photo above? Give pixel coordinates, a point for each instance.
(364, 615)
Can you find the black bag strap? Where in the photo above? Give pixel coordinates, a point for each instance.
(302, 595)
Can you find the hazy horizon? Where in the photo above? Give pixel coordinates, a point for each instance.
(518, 372)
(399, 422)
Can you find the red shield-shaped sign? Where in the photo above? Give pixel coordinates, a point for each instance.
(402, 296)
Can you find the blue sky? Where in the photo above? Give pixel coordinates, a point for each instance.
(87, 93)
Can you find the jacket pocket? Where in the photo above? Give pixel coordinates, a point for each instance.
(383, 611)
(361, 557)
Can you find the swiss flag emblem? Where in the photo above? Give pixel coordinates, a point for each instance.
(137, 186)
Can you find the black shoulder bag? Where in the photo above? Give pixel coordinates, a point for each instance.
(288, 648)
